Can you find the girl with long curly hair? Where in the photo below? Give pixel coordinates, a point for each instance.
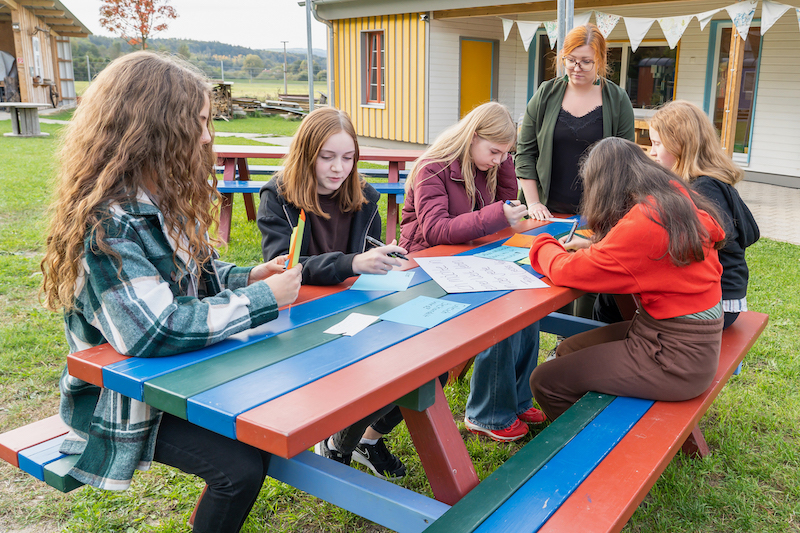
(656, 239)
(129, 262)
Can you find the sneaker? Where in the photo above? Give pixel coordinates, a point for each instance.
(552, 353)
(380, 460)
(532, 416)
(322, 449)
(515, 431)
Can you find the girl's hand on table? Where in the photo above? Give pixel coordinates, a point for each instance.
(538, 211)
(514, 211)
(577, 243)
(286, 285)
(377, 260)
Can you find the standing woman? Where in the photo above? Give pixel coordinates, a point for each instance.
(653, 238)
(685, 141)
(463, 187)
(130, 263)
(564, 118)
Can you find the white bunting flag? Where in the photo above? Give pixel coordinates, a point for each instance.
(526, 31)
(673, 28)
(770, 13)
(507, 25)
(605, 22)
(797, 12)
(742, 15)
(580, 20)
(637, 29)
(551, 27)
(705, 17)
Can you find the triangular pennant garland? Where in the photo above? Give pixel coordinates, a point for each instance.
(605, 22)
(580, 20)
(551, 27)
(770, 13)
(705, 17)
(507, 25)
(637, 29)
(673, 28)
(526, 31)
(742, 15)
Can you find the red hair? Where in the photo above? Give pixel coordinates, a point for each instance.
(588, 34)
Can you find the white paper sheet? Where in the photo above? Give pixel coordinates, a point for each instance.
(466, 273)
(351, 325)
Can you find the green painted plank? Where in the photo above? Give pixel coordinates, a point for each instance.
(420, 399)
(483, 500)
(56, 474)
(170, 391)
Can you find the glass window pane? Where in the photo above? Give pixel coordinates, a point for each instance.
(547, 59)
(650, 79)
(615, 64)
(746, 91)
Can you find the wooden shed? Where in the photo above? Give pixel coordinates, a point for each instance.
(34, 34)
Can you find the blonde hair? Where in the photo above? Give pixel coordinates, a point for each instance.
(137, 125)
(588, 34)
(490, 121)
(688, 134)
(298, 179)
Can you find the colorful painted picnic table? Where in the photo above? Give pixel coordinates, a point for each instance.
(286, 385)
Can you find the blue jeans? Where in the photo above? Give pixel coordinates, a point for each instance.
(500, 387)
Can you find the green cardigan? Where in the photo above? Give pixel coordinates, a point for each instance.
(534, 159)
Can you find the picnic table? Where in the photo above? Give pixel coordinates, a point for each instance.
(24, 119)
(285, 386)
(234, 160)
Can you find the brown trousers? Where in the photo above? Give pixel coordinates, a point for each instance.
(672, 360)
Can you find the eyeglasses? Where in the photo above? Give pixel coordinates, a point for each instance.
(585, 64)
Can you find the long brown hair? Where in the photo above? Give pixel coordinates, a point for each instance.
(587, 34)
(298, 179)
(617, 175)
(688, 134)
(137, 126)
(491, 121)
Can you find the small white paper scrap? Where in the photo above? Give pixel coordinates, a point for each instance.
(351, 325)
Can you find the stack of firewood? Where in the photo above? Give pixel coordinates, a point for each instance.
(221, 101)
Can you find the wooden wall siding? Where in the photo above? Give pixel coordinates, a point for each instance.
(443, 94)
(402, 117)
(24, 48)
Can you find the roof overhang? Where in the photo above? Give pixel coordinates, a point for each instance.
(53, 13)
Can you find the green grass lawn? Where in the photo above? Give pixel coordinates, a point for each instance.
(260, 89)
(750, 482)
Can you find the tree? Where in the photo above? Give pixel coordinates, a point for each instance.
(183, 51)
(136, 20)
(253, 62)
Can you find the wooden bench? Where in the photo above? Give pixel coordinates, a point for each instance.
(230, 187)
(591, 468)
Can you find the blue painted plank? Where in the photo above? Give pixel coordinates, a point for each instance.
(530, 507)
(384, 503)
(566, 326)
(128, 377)
(32, 460)
(217, 408)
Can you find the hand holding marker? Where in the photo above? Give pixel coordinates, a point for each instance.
(572, 231)
(376, 242)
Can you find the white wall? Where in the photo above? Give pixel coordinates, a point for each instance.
(444, 69)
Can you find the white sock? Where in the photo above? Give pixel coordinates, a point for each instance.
(331, 445)
(371, 442)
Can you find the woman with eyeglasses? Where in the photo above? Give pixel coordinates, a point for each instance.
(563, 119)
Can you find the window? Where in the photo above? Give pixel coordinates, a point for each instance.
(721, 40)
(647, 75)
(374, 68)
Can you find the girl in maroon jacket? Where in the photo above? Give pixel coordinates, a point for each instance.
(658, 240)
(458, 191)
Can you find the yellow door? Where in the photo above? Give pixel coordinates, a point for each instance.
(476, 74)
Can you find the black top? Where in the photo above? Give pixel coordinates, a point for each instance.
(329, 235)
(571, 137)
(741, 231)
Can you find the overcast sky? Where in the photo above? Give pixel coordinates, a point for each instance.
(258, 24)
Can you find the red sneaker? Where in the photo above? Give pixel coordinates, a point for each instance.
(533, 416)
(515, 431)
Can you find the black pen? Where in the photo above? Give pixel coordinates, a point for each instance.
(376, 242)
(572, 231)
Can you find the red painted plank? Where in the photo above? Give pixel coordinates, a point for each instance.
(89, 363)
(441, 450)
(16, 440)
(609, 496)
(292, 423)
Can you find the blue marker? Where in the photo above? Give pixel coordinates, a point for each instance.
(572, 231)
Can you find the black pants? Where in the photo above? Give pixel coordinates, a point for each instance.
(233, 470)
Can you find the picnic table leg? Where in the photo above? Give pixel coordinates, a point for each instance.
(695, 444)
(225, 215)
(441, 449)
(244, 175)
(229, 169)
(391, 202)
